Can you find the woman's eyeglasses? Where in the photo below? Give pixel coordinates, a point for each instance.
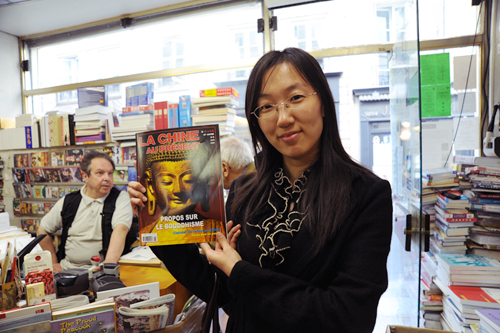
(291, 103)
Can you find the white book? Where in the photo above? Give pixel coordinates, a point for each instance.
(153, 288)
(94, 109)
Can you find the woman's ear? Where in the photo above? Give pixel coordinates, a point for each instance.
(150, 193)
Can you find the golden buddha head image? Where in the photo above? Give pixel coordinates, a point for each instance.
(169, 181)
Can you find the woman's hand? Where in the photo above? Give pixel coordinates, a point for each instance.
(233, 234)
(224, 256)
(137, 198)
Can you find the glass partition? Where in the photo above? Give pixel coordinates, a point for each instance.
(406, 169)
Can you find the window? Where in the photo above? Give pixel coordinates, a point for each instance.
(151, 44)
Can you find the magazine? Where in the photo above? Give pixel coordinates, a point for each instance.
(181, 170)
(147, 316)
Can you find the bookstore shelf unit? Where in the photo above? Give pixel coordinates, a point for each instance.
(34, 179)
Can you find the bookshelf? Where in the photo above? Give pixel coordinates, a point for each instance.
(19, 194)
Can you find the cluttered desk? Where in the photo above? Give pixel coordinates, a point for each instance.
(35, 299)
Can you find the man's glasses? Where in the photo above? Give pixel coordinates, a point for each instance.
(294, 102)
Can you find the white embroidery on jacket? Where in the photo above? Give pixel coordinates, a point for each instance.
(281, 222)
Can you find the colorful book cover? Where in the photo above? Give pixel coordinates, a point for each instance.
(51, 192)
(132, 174)
(52, 175)
(26, 191)
(185, 111)
(17, 190)
(20, 176)
(182, 172)
(229, 91)
(147, 316)
(37, 176)
(57, 158)
(120, 174)
(73, 156)
(476, 296)
(22, 160)
(468, 262)
(490, 316)
(86, 321)
(38, 191)
(173, 116)
(71, 175)
(40, 159)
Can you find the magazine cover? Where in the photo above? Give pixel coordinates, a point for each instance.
(73, 156)
(181, 170)
(37, 176)
(52, 175)
(19, 176)
(71, 175)
(58, 158)
(21, 160)
(40, 159)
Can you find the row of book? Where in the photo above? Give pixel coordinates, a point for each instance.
(130, 309)
(30, 191)
(31, 208)
(58, 158)
(47, 175)
(30, 225)
(214, 106)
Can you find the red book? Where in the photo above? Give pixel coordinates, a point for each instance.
(148, 107)
(164, 115)
(476, 296)
(219, 92)
(157, 111)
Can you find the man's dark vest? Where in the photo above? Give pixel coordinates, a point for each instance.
(68, 213)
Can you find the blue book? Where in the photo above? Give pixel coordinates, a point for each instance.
(468, 263)
(132, 174)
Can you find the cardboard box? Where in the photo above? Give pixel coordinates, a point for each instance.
(406, 329)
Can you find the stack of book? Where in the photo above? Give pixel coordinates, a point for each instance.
(451, 226)
(468, 270)
(485, 202)
(431, 297)
(132, 122)
(93, 124)
(489, 320)
(216, 106)
(469, 282)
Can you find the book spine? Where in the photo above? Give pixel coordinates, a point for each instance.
(460, 159)
(485, 207)
(91, 138)
(138, 108)
(136, 113)
(219, 92)
(164, 116)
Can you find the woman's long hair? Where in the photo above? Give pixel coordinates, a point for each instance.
(328, 187)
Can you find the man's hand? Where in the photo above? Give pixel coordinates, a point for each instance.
(224, 256)
(137, 198)
(56, 268)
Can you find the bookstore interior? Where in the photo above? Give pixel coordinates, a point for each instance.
(417, 101)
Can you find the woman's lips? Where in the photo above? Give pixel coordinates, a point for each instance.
(288, 137)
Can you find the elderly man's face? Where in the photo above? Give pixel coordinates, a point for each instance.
(173, 182)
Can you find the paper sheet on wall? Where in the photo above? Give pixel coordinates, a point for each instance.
(468, 101)
(436, 143)
(467, 137)
(4, 221)
(461, 75)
